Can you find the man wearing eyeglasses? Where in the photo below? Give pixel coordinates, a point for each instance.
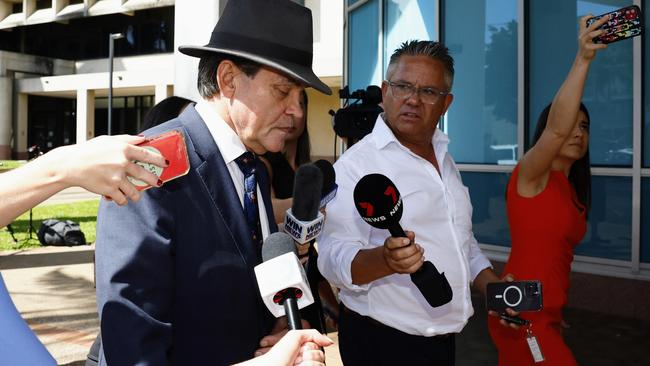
(384, 319)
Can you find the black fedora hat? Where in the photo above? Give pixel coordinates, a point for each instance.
(276, 33)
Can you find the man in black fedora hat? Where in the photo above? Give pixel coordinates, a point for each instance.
(175, 280)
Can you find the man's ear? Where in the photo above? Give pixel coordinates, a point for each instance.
(448, 99)
(226, 72)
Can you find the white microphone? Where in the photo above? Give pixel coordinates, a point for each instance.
(281, 279)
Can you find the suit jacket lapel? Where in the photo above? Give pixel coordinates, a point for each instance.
(215, 176)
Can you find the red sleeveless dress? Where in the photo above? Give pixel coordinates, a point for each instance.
(544, 230)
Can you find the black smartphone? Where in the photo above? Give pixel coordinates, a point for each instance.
(517, 295)
(623, 23)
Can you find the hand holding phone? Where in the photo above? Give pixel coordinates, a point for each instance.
(623, 23)
(171, 145)
(517, 295)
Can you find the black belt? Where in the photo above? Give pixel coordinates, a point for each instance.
(347, 311)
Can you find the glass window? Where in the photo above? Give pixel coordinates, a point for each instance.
(43, 4)
(146, 32)
(610, 219)
(482, 120)
(489, 220)
(406, 20)
(608, 91)
(645, 220)
(364, 67)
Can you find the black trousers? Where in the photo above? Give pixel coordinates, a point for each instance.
(364, 341)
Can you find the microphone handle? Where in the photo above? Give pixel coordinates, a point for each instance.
(292, 311)
(396, 230)
(432, 284)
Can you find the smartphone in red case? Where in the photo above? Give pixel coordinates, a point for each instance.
(623, 23)
(171, 145)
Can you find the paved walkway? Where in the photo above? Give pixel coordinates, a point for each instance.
(53, 289)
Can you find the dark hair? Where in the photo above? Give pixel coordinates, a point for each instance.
(435, 50)
(207, 78)
(303, 148)
(166, 109)
(580, 173)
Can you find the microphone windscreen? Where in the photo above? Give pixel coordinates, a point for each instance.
(329, 176)
(378, 201)
(276, 245)
(307, 188)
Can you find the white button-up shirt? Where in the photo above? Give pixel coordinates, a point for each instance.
(437, 209)
(231, 148)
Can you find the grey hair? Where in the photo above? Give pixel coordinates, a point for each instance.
(434, 50)
(207, 76)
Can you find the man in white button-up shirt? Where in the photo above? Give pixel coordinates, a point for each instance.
(385, 320)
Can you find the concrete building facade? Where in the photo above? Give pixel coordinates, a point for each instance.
(54, 66)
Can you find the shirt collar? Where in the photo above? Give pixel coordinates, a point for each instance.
(229, 143)
(383, 136)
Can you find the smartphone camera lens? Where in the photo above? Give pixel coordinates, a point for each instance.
(531, 289)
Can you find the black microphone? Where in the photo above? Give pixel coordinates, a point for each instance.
(282, 280)
(329, 181)
(303, 221)
(379, 203)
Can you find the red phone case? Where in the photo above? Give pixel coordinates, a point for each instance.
(624, 23)
(170, 145)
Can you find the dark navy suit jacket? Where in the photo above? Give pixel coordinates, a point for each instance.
(175, 280)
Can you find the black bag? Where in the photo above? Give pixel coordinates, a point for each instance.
(57, 232)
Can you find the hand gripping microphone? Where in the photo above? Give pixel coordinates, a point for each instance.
(303, 222)
(329, 181)
(380, 205)
(282, 280)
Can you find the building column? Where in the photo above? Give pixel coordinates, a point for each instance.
(163, 91)
(85, 115)
(6, 107)
(20, 134)
(193, 25)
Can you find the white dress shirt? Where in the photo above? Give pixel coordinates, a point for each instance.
(231, 148)
(437, 209)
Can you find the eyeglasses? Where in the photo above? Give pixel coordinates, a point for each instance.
(406, 90)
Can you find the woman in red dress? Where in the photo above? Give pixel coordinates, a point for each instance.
(548, 197)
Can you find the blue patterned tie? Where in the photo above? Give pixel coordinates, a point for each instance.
(246, 163)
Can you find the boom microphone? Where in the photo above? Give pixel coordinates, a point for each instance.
(282, 280)
(303, 221)
(379, 203)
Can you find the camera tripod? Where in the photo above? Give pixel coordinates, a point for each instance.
(34, 152)
(30, 229)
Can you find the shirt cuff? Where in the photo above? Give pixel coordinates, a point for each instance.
(347, 256)
(477, 264)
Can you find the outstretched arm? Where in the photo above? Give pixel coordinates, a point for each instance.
(536, 163)
(99, 165)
